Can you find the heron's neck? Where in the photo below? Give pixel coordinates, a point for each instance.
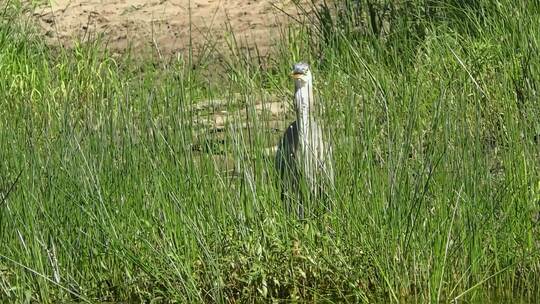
(304, 107)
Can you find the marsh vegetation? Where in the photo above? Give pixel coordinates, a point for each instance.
(128, 179)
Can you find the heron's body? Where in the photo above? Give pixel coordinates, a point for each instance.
(304, 158)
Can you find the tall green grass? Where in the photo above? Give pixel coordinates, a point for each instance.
(111, 188)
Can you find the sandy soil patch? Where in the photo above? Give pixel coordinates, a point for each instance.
(165, 25)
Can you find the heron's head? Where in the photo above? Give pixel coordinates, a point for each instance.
(301, 74)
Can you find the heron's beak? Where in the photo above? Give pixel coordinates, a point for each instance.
(296, 75)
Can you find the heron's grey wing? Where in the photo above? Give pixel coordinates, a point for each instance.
(322, 150)
(286, 152)
(325, 158)
(286, 164)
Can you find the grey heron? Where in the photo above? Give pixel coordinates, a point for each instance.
(304, 158)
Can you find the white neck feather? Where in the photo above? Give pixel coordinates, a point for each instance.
(304, 106)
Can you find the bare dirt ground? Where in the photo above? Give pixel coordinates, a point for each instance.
(169, 26)
(165, 25)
